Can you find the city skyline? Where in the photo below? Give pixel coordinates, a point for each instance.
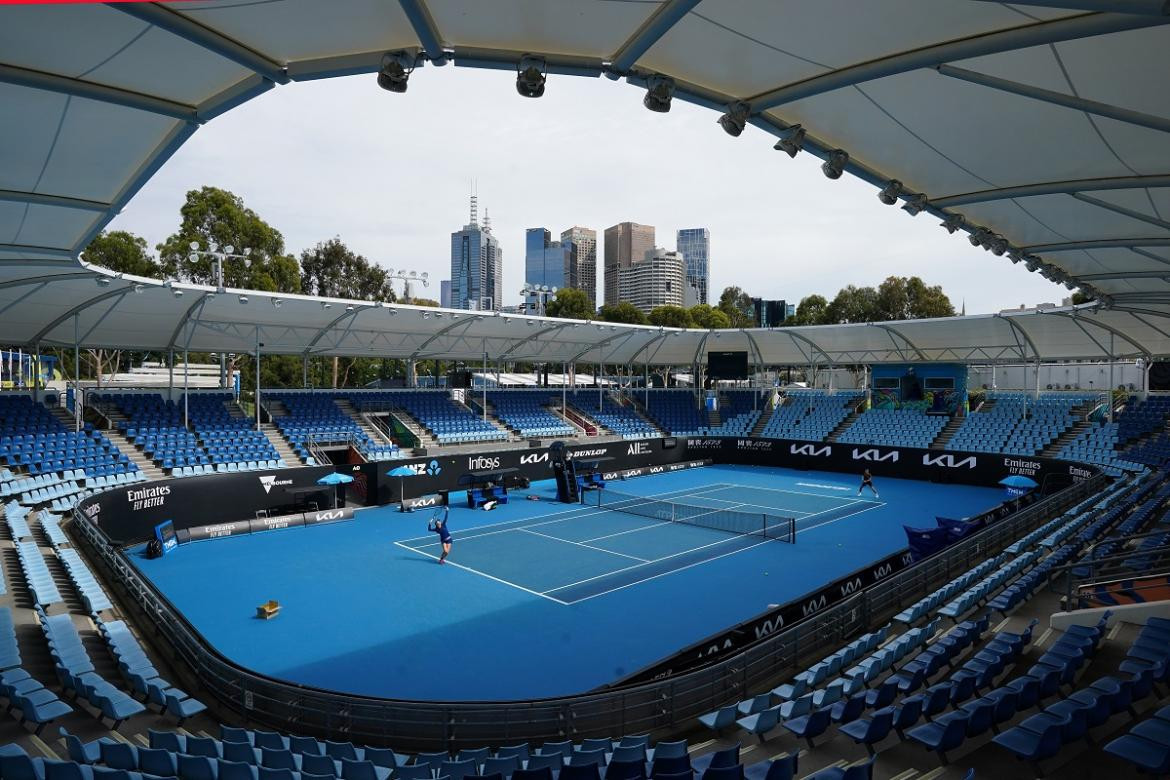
(477, 263)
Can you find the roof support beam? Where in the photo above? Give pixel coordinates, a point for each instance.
(993, 42)
(187, 316)
(43, 332)
(895, 332)
(1021, 333)
(1155, 7)
(347, 314)
(44, 279)
(660, 22)
(1123, 275)
(1058, 98)
(470, 320)
(41, 199)
(816, 347)
(1122, 210)
(1082, 321)
(1052, 188)
(533, 337)
(426, 29)
(51, 82)
(1102, 243)
(190, 30)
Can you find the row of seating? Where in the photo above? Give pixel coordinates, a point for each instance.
(36, 574)
(945, 593)
(37, 704)
(894, 427)
(526, 412)
(809, 415)
(144, 680)
(620, 419)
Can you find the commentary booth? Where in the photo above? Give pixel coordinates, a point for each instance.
(666, 694)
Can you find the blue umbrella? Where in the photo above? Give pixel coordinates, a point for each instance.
(402, 471)
(1018, 481)
(335, 479)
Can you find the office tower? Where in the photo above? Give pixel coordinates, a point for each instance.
(624, 243)
(695, 246)
(544, 259)
(477, 265)
(581, 271)
(771, 314)
(445, 293)
(655, 280)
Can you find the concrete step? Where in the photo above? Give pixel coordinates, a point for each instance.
(367, 427)
(145, 464)
(283, 449)
(762, 423)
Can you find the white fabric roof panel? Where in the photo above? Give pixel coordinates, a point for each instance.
(96, 97)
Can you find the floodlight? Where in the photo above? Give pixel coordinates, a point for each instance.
(276, 303)
(349, 307)
(659, 92)
(530, 77)
(998, 246)
(243, 299)
(734, 121)
(835, 165)
(424, 275)
(953, 223)
(393, 312)
(889, 193)
(914, 204)
(326, 305)
(102, 281)
(247, 251)
(979, 237)
(138, 288)
(194, 245)
(395, 72)
(193, 257)
(1032, 263)
(177, 293)
(791, 140)
(229, 249)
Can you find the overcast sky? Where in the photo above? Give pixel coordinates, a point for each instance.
(391, 175)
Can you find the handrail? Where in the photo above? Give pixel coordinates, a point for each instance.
(663, 704)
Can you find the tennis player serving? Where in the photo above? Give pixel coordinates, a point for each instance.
(438, 524)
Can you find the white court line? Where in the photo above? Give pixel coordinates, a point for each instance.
(582, 544)
(823, 487)
(630, 531)
(490, 577)
(655, 560)
(735, 505)
(796, 492)
(835, 519)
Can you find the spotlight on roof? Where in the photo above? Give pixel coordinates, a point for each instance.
(1071, 284)
(979, 236)
(998, 246)
(395, 72)
(953, 223)
(138, 288)
(349, 307)
(276, 303)
(102, 281)
(1014, 256)
(243, 299)
(889, 193)
(835, 165)
(791, 140)
(326, 305)
(392, 312)
(1032, 263)
(914, 204)
(177, 292)
(659, 92)
(735, 120)
(530, 77)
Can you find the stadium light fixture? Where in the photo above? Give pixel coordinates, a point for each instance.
(735, 119)
(395, 71)
(243, 299)
(102, 281)
(177, 292)
(791, 140)
(138, 288)
(349, 307)
(953, 223)
(835, 165)
(979, 236)
(889, 193)
(277, 303)
(326, 305)
(659, 93)
(392, 312)
(914, 204)
(1014, 255)
(998, 246)
(530, 77)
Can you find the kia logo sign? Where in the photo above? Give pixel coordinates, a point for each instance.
(948, 461)
(875, 456)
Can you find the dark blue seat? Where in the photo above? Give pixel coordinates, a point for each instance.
(946, 733)
(583, 771)
(1033, 740)
(724, 773)
(782, 768)
(870, 731)
(810, 726)
(1147, 755)
(726, 757)
(720, 718)
(907, 714)
(670, 765)
(935, 699)
(624, 770)
(856, 772)
(542, 773)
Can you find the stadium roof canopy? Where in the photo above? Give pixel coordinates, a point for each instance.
(1041, 130)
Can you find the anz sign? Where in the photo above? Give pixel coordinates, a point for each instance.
(875, 455)
(949, 461)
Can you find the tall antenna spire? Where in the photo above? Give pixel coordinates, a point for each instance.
(487, 221)
(474, 210)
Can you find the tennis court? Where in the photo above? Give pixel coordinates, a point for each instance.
(618, 540)
(539, 598)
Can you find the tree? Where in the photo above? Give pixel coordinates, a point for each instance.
(812, 310)
(569, 304)
(122, 252)
(125, 253)
(853, 304)
(331, 269)
(622, 312)
(704, 316)
(217, 219)
(671, 317)
(424, 302)
(926, 301)
(1080, 297)
(738, 306)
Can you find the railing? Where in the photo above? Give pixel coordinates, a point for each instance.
(380, 425)
(662, 705)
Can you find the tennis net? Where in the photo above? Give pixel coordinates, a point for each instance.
(732, 521)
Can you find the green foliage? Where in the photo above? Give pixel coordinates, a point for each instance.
(333, 270)
(897, 298)
(853, 304)
(123, 252)
(1080, 297)
(671, 317)
(704, 316)
(622, 312)
(423, 302)
(570, 304)
(217, 219)
(738, 306)
(812, 310)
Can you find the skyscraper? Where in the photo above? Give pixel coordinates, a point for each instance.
(581, 271)
(624, 243)
(544, 259)
(657, 279)
(477, 265)
(694, 244)
(445, 293)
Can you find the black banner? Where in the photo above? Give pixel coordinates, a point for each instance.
(260, 524)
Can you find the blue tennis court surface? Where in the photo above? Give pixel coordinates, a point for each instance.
(539, 598)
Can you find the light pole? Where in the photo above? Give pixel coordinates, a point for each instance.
(541, 292)
(407, 278)
(223, 253)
